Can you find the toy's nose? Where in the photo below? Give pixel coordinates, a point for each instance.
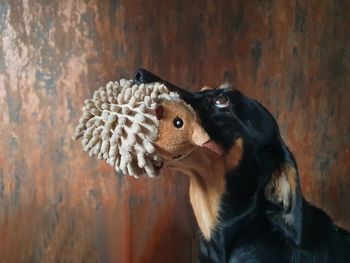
(144, 76)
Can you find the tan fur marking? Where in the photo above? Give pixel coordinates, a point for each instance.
(282, 187)
(207, 185)
(291, 173)
(234, 155)
(206, 171)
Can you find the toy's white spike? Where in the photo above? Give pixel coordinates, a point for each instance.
(119, 125)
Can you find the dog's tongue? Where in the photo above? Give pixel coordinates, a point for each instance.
(214, 147)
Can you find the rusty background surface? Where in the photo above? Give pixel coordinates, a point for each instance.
(58, 205)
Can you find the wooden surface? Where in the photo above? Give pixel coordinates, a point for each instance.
(58, 205)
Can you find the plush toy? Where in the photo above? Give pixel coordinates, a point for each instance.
(136, 128)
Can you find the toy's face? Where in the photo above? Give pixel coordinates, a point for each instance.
(179, 131)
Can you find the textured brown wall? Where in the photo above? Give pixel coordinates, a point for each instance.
(56, 204)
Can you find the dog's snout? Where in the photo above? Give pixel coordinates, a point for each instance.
(144, 76)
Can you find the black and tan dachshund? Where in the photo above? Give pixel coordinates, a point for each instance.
(254, 211)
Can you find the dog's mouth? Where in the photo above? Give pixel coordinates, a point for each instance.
(211, 145)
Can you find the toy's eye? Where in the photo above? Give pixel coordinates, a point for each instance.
(221, 101)
(178, 123)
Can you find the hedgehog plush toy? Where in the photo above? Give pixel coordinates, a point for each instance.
(137, 128)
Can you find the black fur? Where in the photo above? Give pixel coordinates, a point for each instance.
(252, 228)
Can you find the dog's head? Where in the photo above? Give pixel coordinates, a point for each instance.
(228, 116)
(258, 164)
(253, 147)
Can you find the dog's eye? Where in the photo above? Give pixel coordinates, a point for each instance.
(221, 101)
(178, 123)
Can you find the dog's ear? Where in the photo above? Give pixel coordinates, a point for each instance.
(285, 200)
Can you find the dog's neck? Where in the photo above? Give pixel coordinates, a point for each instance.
(206, 171)
(207, 185)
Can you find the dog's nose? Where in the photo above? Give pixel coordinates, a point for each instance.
(138, 77)
(144, 76)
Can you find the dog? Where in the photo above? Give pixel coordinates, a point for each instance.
(248, 202)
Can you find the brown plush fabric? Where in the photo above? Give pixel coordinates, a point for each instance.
(173, 142)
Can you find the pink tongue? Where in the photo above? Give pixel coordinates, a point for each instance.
(214, 147)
